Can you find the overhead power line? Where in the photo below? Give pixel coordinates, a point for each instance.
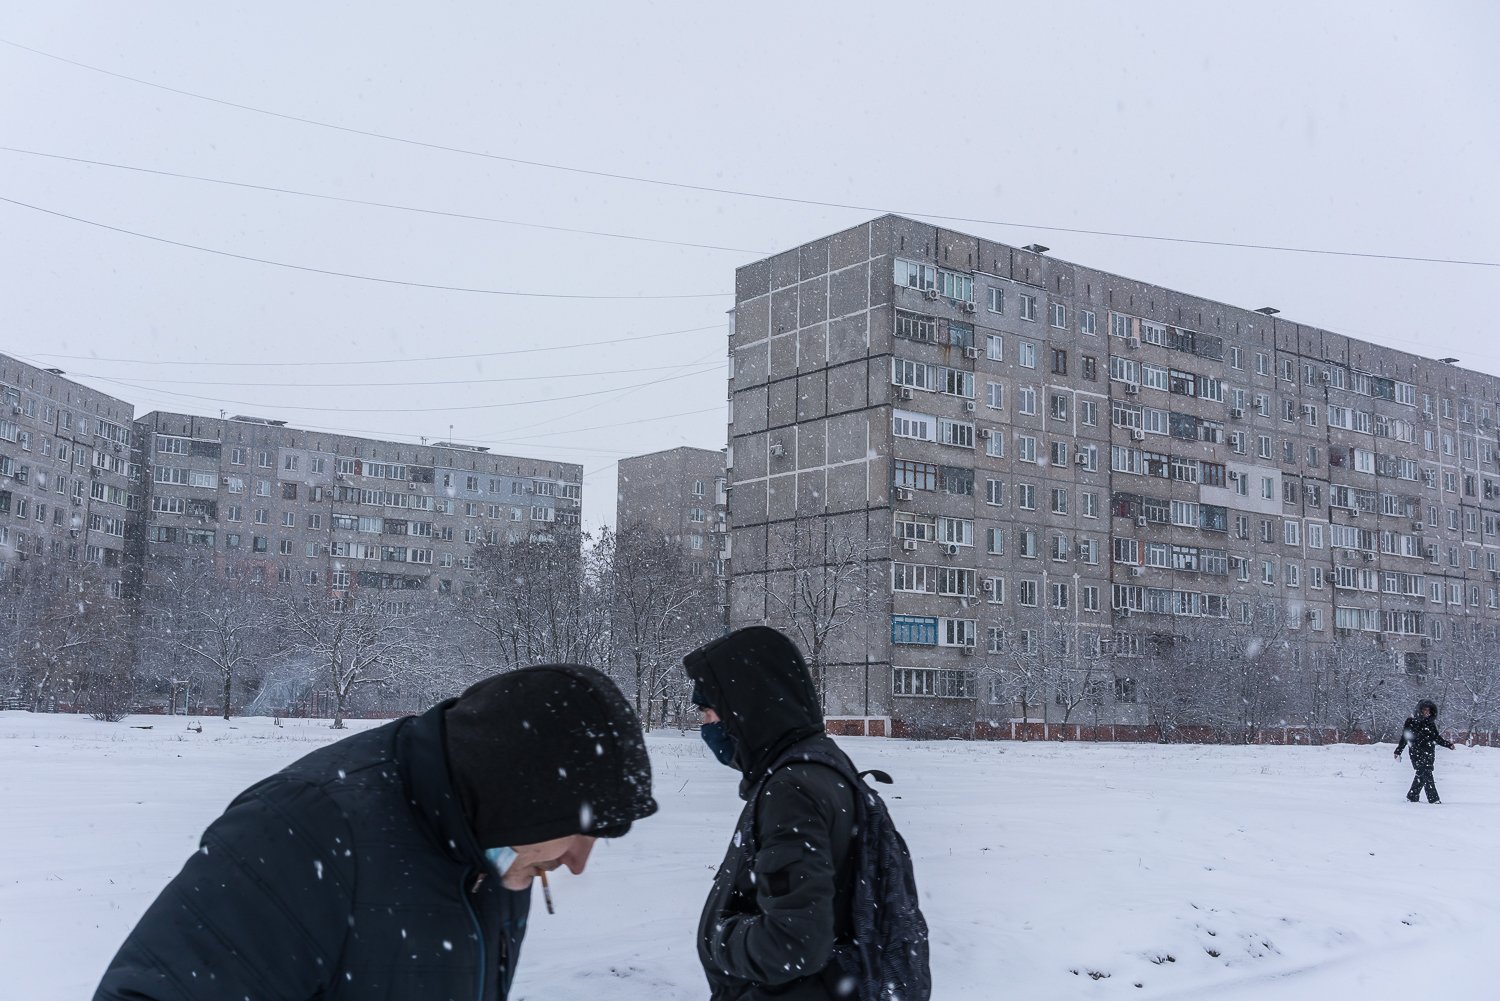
(402, 384)
(347, 274)
(375, 204)
(399, 410)
(558, 345)
(736, 192)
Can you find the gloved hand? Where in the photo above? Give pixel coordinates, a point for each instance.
(1398, 754)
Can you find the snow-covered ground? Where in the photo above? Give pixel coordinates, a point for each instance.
(1046, 870)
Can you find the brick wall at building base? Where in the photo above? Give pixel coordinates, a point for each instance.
(1011, 730)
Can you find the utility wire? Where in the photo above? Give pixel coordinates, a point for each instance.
(738, 193)
(346, 274)
(381, 205)
(602, 403)
(403, 384)
(617, 424)
(558, 346)
(404, 410)
(506, 442)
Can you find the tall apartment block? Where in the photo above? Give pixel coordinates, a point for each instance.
(273, 503)
(67, 479)
(1043, 461)
(680, 493)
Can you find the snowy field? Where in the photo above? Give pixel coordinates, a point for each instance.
(1046, 871)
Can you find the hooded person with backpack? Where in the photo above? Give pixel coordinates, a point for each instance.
(815, 898)
(1421, 732)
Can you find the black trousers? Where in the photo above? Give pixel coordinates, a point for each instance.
(1423, 780)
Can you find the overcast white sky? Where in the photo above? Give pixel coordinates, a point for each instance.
(1352, 126)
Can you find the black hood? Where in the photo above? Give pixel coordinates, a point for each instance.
(756, 680)
(1426, 704)
(546, 752)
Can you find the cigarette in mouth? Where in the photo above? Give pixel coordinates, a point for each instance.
(547, 894)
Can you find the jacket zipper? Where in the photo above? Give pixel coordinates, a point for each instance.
(474, 917)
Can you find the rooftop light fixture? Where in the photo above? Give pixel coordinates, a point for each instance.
(1268, 310)
(1036, 248)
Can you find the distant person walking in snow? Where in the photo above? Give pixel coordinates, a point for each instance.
(811, 846)
(397, 863)
(1421, 732)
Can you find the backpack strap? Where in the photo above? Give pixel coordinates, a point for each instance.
(846, 772)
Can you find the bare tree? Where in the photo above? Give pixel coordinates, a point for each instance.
(219, 624)
(75, 641)
(1179, 682)
(361, 639)
(1014, 672)
(1471, 680)
(662, 606)
(818, 585)
(536, 600)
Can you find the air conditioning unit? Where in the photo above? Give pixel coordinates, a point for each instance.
(1416, 526)
(1081, 459)
(1134, 343)
(969, 307)
(984, 433)
(1369, 557)
(1327, 376)
(1348, 554)
(1137, 571)
(989, 584)
(1426, 642)
(1123, 613)
(1140, 522)
(1137, 434)
(969, 406)
(909, 545)
(971, 352)
(906, 393)
(951, 549)
(77, 501)
(930, 294)
(1237, 413)
(1132, 388)
(15, 408)
(904, 493)
(778, 449)
(967, 649)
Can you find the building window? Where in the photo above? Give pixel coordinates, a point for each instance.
(1060, 316)
(1028, 306)
(914, 630)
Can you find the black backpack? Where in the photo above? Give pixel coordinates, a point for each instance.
(886, 959)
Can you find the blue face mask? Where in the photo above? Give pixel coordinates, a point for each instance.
(500, 858)
(719, 741)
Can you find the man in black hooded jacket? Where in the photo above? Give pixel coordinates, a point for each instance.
(1421, 732)
(396, 864)
(781, 899)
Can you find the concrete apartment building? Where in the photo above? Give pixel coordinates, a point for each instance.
(679, 492)
(68, 488)
(275, 503)
(1053, 463)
